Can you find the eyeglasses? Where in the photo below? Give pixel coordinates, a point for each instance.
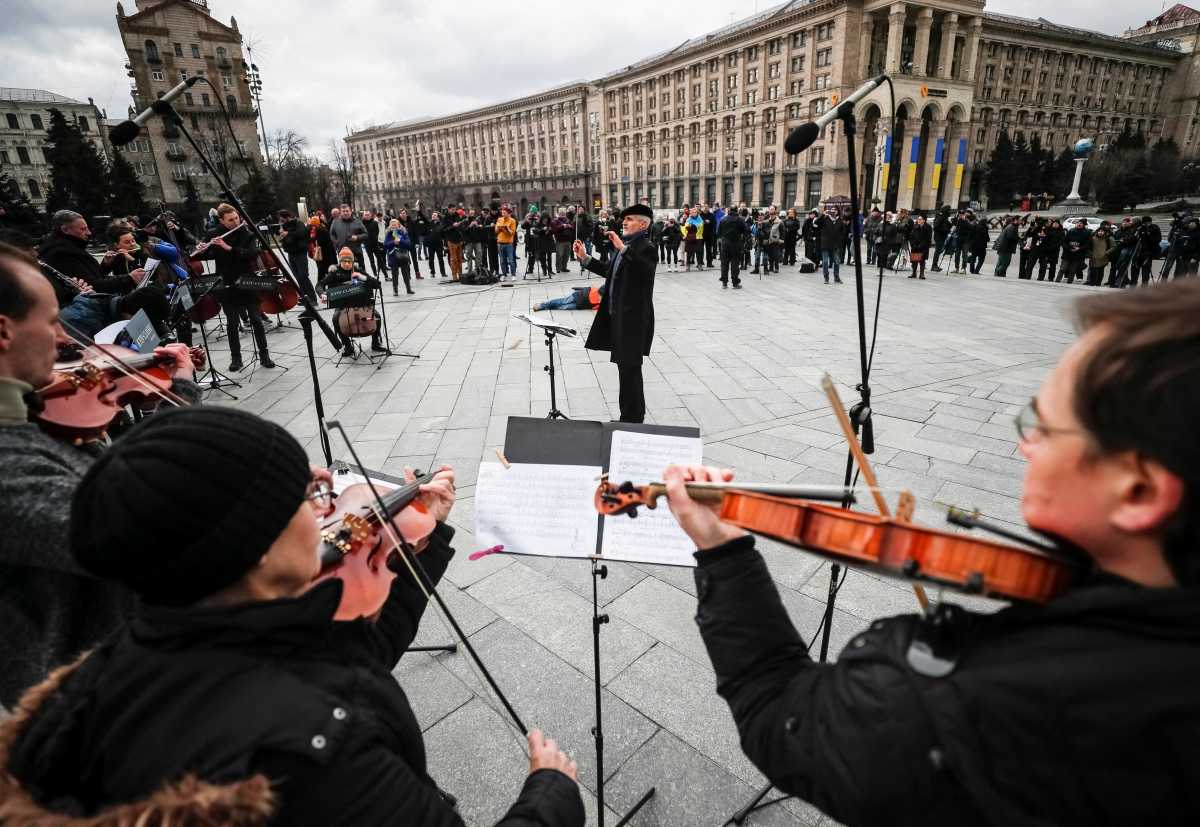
(1030, 427)
(319, 492)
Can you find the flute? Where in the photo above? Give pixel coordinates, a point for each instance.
(204, 245)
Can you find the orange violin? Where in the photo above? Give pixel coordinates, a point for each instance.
(891, 545)
(356, 548)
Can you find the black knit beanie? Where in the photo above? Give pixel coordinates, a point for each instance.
(187, 502)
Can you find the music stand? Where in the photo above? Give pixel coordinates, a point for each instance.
(387, 339)
(215, 379)
(552, 331)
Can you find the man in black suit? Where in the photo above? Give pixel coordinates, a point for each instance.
(624, 323)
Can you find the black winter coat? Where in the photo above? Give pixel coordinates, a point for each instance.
(239, 260)
(921, 238)
(832, 233)
(1081, 711)
(624, 323)
(69, 256)
(275, 689)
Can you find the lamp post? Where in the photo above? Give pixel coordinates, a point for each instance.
(254, 82)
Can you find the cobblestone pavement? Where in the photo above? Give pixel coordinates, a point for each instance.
(955, 358)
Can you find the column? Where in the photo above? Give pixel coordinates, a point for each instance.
(909, 154)
(921, 46)
(895, 36)
(949, 35)
(971, 53)
(864, 54)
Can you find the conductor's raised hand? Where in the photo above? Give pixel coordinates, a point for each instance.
(614, 238)
(579, 250)
(698, 520)
(544, 754)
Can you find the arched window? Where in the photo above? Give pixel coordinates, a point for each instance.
(152, 52)
(35, 189)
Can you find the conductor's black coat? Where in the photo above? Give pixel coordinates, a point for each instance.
(624, 323)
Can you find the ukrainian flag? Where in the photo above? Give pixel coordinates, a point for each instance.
(913, 154)
(939, 150)
(962, 160)
(886, 165)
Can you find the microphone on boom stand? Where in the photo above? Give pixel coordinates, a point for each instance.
(803, 136)
(126, 131)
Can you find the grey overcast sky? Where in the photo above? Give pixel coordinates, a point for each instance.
(332, 64)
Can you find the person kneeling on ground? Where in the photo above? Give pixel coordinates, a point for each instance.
(233, 696)
(581, 298)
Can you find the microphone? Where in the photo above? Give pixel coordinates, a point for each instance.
(803, 136)
(126, 131)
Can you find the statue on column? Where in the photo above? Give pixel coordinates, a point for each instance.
(1082, 149)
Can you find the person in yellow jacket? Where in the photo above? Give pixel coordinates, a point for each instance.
(506, 236)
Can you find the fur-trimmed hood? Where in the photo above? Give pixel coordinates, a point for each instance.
(188, 802)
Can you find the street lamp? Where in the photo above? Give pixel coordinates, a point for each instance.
(254, 80)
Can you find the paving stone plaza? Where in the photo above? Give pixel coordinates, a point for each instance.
(956, 356)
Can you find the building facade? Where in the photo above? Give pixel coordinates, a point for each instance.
(536, 147)
(23, 123)
(707, 120)
(167, 41)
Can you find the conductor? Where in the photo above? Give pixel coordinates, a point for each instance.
(624, 323)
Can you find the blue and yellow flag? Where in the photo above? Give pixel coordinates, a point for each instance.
(913, 154)
(962, 160)
(938, 151)
(886, 165)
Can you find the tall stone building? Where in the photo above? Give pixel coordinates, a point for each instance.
(706, 120)
(24, 118)
(167, 41)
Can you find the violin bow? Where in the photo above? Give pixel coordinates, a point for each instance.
(421, 577)
(89, 345)
(868, 472)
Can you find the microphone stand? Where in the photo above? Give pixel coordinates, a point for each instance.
(310, 314)
(860, 418)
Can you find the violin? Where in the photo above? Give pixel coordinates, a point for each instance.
(890, 545)
(82, 399)
(356, 549)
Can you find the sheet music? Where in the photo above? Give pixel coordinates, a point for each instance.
(654, 536)
(546, 510)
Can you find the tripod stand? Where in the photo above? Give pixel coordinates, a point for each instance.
(860, 419)
(600, 572)
(212, 377)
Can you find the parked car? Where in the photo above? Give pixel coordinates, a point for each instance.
(1093, 222)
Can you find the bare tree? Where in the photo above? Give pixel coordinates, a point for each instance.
(343, 169)
(437, 183)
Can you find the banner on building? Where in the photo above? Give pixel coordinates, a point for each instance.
(962, 160)
(886, 165)
(913, 154)
(939, 150)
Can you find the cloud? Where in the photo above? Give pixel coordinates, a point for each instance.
(329, 66)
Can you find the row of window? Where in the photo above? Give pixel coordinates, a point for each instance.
(37, 122)
(1072, 101)
(24, 155)
(153, 56)
(731, 166)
